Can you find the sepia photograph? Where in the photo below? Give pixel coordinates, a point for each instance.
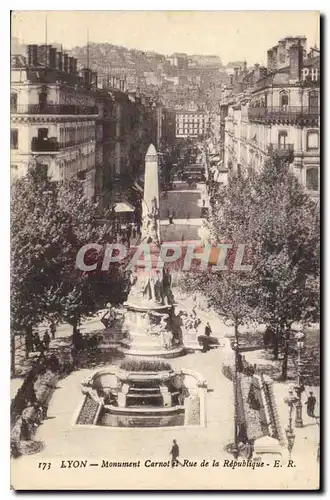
(165, 250)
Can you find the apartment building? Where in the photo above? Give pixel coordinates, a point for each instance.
(53, 116)
(66, 123)
(192, 124)
(278, 112)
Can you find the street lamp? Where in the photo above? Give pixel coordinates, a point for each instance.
(291, 400)
(299, 388)
(236, 348)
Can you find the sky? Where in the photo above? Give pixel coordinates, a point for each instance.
(234, 36)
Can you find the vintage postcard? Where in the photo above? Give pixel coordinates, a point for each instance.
(165, 246)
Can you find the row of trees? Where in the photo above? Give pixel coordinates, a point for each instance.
(279, 224)
(50, 222)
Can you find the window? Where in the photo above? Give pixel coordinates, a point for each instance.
(42, 99)
(312, 179)
(312, 139)
(13, 103)
(284, 100)
(14, 138)
(313, 101)
(282, 139)
(42, 133)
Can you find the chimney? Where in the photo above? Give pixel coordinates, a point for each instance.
(86, 75)
(256, 72)
(281, 52)
(295, 62)
(32, 51)
(245, 66)
(270, 60)
(65, 63)
(44, 54)
(59, 61)
(71, 65)
(236, 73)
(231, 79)
(52, 57)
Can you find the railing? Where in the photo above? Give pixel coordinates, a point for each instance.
(44, 145)
(52, 144)
(54, 109)
(281, 147)
(284, 112)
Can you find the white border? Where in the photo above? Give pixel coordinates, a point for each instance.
(322, 5)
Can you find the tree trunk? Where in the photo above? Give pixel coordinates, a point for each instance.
(75, 331)
(276, 343)
(286, 356)
(12, 356)
(28, 341)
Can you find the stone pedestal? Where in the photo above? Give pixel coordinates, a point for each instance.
(122, 395)
(167, 397)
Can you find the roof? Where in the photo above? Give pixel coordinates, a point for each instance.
(235, 64)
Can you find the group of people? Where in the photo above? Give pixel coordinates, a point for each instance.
(124, 235)
(41, 345)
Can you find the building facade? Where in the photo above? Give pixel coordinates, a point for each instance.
(53, 117)
(192, 124)
(65, 122)
(279, 112)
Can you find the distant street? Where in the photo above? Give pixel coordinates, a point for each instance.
(186, 204)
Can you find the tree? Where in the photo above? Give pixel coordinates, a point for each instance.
(32, 217)
(271, 214)
(284, 232)
(50, 223)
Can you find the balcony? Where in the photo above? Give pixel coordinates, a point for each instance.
(54, 109)
(50, 145)
(285, 151)
(284, 114)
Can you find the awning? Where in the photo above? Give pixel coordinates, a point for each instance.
(124, 206)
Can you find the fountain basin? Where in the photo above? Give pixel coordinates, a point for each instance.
(112, 416)
(115, 397)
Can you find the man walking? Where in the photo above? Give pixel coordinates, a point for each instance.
(46, 340)
(175, 453)
(311, 402)
(208, 329)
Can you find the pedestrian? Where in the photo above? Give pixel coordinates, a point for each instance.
(134, 231)
(208, 329)
(182, 238)
(53, 329)
(175, 453)
(311, 402)
(46, 340)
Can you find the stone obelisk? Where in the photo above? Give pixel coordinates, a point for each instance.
(150, 203)
(150, 303)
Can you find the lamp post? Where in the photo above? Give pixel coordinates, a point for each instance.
(290, 435)
(299, 386)
(235, 347)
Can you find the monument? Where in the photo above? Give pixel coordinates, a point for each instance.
(148, 325)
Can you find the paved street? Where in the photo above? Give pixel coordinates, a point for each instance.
(186, 203)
